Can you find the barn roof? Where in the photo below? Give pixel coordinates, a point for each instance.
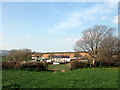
(59, 56)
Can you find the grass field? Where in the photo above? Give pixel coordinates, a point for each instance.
(59, 67)
(80, 78)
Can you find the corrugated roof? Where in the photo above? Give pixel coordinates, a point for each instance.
(58, 56)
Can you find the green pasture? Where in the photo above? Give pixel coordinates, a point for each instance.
(80, 78)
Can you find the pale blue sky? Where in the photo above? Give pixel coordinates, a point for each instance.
(52, 26)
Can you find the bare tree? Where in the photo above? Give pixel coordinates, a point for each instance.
(77, 54)
(22, 54)
(108, 49)
(12, 54)
(51, 56)
(92, 39)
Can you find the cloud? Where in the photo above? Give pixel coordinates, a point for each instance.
(70, 39)
(116, 19)
(28, 36)
(100, 8)
(113, 1)
(103, 18)
(80, 17)
(71, 23)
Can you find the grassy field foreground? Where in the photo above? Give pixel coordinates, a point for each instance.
(81, 78)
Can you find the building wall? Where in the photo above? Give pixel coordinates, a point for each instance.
(45, 55)
(70, 54)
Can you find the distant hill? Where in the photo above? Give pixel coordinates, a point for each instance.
(4, 52)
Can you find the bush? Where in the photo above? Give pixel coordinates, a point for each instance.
(5, 65)
(78, 64)
(25, 65)
(10, 64)
(35, 65)
(107, 64)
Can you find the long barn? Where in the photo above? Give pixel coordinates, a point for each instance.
(70, 54)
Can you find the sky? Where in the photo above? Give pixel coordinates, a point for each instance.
(52, 26)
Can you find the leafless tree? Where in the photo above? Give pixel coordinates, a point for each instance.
(77, 54)
(92, 40)
(12, 54)
(22, 54)
(108, 49)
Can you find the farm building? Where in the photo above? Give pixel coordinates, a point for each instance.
(70, 54)
(58, 56)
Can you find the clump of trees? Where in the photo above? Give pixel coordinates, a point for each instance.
(20, 55)
(100, 42)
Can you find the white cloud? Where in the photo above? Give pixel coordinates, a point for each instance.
(116, 19)
(28, 35)
(79, 18)
(105, 8)
(111, 1)
(90, 18)
(72, 20)
(103, 18)
(70, 39)
(88, 14)
(71, 23)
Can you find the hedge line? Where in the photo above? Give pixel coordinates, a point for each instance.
(78, 64)
(24, 65)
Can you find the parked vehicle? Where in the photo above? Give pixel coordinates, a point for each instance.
(56, 63)
(49, 61)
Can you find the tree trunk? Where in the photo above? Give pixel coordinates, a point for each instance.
(100, 64)
(93, 61)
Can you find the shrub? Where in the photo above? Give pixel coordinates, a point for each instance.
(107, 64)
(10, 64)
(35, 65)
(5, 65)
(25, 65)
(78, 64)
